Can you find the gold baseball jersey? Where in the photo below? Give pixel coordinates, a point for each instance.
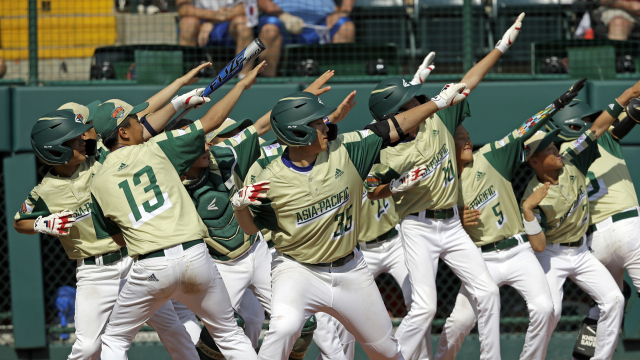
(485, 185)
(433, 147)
(564, 212)
(378, 216)
(55, 194)
(610, 188)
(138, 192)
(315, 217)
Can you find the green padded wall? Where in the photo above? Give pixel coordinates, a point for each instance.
(5, 118)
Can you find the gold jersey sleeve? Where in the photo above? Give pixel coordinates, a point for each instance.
(55, 194)
(564, 212)
(138, 192)
(609, 188)
(315, 217)
(487, 187)
(378, 216)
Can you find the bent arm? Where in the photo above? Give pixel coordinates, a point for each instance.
(605, 120)
(245, 220)
(380, 192)
(538, 241)
(25, 226)
(158, 120)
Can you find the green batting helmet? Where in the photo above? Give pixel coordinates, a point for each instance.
(573, 120)
(292, 114)
(390, 95)
(51, 131)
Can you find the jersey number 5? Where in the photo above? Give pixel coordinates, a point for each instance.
(150, 208)
(342, 229)
(501, 218)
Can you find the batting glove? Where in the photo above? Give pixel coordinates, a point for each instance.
(408, 179)
(451, 94)
(190, 99)
(566, 98)
(250, 194)
(510, 35)
(292, 23)
(55, 224)
(424, 70)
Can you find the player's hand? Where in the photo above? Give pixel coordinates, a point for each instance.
(408, 179)
(332, 19)
(203, 34)
(536, 198)
(469, 217)
(250, 194)
(193, 98)
(250, 78)
(292, 23)
(566, 98)
(341, 112)
(510, 35)
(425, 69)
(55, 224)
(223, 14)
(191, 77)
(451, 94)
(316, 87)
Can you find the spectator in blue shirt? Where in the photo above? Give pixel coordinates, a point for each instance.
(302, 22)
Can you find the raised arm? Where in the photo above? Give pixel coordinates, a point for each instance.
(606, 119)
(221, 110)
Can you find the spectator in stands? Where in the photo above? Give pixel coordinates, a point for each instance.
(620, 16)
(302, 22)
(215, 22)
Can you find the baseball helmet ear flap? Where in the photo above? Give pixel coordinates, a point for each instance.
(333, 132)
(90, 146)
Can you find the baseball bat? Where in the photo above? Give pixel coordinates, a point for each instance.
(244, 58)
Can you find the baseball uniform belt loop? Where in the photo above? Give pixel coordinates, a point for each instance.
(106, 259)
(336, 263)
(160, 253)
(442, 214)
(505, 244)
(617, 217)
(384, 237)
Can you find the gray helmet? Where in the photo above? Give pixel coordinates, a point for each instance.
(51, 131)
(573, 120)
(292, 114)
(390, 95)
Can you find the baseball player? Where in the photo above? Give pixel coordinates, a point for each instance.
(58, 140)
(495, 225)
(160, 225)
(430, 225)
(564, 221)
(612, 196)
(309, 208)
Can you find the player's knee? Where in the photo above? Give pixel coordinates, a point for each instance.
(88, 348)
(612, 304)
(189, 24)
(269, 32)
(347, 31)
(490, 295)
(541, 310)
(387, 348)
(289, 325)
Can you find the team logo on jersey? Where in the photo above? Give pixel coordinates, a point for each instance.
(212, 206)
(435, 133)
(122, 166)
(582, 195)
(573, 179)
(484, 198)
(436, 161)
(338, 173)
(79, 119)
(118, 113)
(578, 144)
(25, 208)
(480, 175)
(323, 208)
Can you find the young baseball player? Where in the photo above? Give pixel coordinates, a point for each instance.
(430, 225)
(495, 225)
(160, 225)
(309, 208)
(58, 140)
(612, 196)
(564, 221)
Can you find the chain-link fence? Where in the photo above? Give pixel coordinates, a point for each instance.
(153, 42)
(5, 281)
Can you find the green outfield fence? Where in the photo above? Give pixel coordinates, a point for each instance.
(147, 42)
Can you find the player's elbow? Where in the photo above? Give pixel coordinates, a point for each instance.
(538, 242)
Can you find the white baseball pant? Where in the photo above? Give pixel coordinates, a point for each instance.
(97, 290)
(516, 267)
(347, 293)
(617, 248)
(189, 276)
(578, 264)
(332, 339)
(424, 241)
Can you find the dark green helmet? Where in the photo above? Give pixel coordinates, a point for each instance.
(390, 95)
(292, 114)
(51, 131)
(573, 120)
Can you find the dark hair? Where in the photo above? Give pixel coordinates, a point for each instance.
(112, 139)
(180, 124)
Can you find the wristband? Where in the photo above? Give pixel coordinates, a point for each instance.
(614, 109)
(148, 126)
(399, 130)
(532, 227)
(326, 120)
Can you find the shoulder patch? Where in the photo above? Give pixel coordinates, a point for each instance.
(365, 133)
(372, 181)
